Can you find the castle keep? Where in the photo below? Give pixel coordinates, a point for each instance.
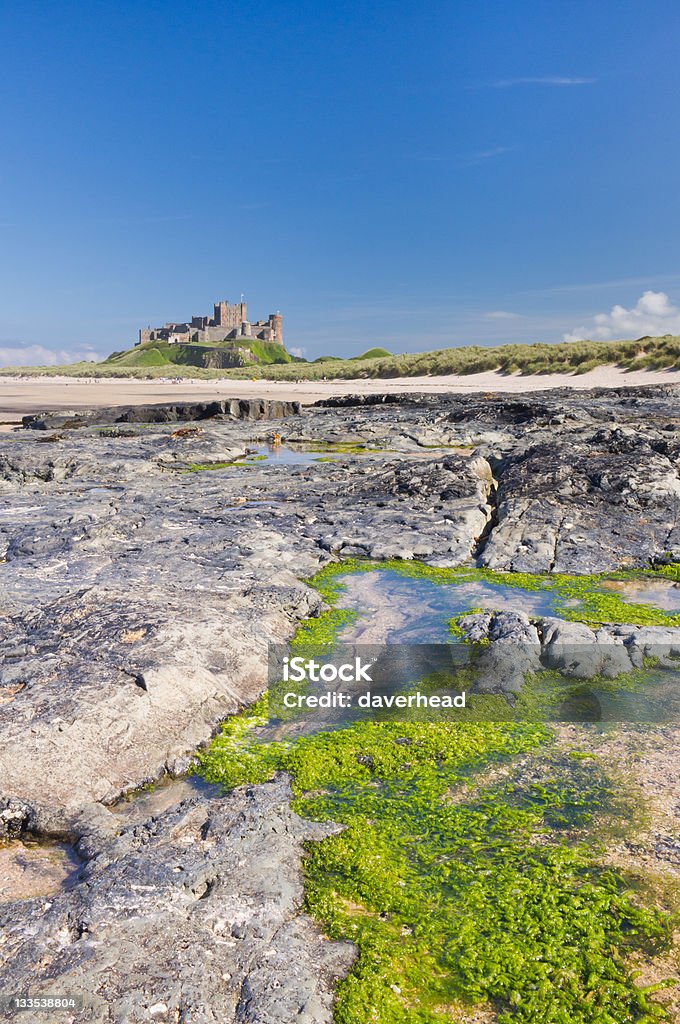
(227, 322)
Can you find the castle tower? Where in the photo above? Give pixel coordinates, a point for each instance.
(276, 324)
(229, 316)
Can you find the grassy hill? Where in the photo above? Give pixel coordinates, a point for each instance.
(207, 356)
(374, 353)
(151, 360)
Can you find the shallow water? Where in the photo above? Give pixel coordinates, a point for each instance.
(263, 455)
(31, 869)
(399, 609)
(395, 609)
(663, 594)
(299, 455)
(296, 455)
(153, 800)
(282, 456)
(652, 698)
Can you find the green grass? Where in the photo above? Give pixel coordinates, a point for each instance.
(567, 357)
(266, 351)
(156, 353)
(375, 353)
(148, 356)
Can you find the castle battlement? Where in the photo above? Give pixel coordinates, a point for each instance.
(228, 321)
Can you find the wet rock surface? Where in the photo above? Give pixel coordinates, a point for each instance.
(607, 498)
(585, 482)
(29, 869)
(140, 591)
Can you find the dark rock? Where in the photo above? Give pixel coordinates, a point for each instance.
(585, 503)
(234, 408)
(14, 818)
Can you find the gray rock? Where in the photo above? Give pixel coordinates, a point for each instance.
(514, 650)
(575, 650)
(642, 642)
(14, 818)
(585, 503)
(191, 915)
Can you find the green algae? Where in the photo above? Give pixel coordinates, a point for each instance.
(244, 461)
(578, 598)
(202, 467)
(339, 447)
(549, 696)
(670, 571)
(460, 891)
(479, 901)
(323, 630)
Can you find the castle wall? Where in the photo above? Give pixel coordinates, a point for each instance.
(229, 322)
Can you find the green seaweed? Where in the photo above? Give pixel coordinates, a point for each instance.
(477, 901)
(670, 571)
(460, 891)
(338, 447)
(578, 598)
(202, 467)
(244, 461)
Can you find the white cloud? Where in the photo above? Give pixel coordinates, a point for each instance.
(489, 154)
(16, 354)
(486, 154)
(299, 352)
(653, 314)
(501, 314)
(508, 83)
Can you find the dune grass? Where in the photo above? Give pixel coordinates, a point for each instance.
(575, 357)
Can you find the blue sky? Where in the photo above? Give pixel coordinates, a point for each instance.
(414, 175)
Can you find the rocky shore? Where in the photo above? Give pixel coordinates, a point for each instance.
(151, 555)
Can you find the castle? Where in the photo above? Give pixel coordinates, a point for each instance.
(227, 322)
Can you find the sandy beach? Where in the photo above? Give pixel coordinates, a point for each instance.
(22, 395)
